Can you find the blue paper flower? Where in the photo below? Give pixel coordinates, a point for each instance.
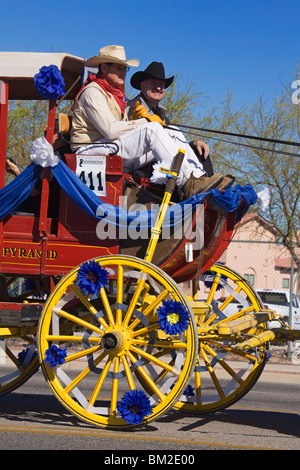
(173, 317)
(134, 406)
(55, 355)
(22, 355)
(189, 391)
(49, 82)
(208, 278)
(91, 277)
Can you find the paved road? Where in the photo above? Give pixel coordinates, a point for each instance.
(268, 417)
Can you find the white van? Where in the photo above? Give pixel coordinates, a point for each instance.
(279, 300)
(272, 299)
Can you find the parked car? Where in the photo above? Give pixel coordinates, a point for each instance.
(279, 300)
(273, 299)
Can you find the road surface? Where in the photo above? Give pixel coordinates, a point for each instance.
(268, 417)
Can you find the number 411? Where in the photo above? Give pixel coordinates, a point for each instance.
(91, 177)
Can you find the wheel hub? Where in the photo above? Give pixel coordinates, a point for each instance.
(115, 341)
(110, 341)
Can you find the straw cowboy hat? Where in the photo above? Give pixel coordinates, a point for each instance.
(111, 54)
(154, 70)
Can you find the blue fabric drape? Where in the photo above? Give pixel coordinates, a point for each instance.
(18, 190)
(231, 199)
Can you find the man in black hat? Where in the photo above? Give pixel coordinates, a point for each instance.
(153, 83)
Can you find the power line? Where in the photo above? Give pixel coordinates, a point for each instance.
(245, 136)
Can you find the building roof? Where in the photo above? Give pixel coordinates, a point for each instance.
(284, 263)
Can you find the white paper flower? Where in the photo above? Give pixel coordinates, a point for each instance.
(263, 198)
(42, 153)
(158, 176)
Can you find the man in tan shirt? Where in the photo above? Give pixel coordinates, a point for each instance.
(99, 116)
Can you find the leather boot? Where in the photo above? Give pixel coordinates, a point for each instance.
(200, 185)
(227, 181)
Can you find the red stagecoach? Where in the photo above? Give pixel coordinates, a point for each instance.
(106, 318)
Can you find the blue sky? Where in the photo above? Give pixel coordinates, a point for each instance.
(247, 45)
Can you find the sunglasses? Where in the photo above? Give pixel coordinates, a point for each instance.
(119, 67)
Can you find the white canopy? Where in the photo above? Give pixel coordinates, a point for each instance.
(18, 69)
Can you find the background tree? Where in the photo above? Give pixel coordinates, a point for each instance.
(183, 102)
(26, 122)
(261, 168)
(255, 166)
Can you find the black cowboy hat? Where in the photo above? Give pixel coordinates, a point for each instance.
(154, 70)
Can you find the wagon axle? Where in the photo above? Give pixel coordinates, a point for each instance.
(115, 341)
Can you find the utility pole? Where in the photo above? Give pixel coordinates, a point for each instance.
(291, 304)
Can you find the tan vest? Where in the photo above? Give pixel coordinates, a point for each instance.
(82, 130)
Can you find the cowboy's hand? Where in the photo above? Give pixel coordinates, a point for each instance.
(11, 167)
(202, 148)
(155, 118)
(139, 111)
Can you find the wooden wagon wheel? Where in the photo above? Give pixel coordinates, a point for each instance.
(94, 338)
(18, 358)
(223, 373)
(18, 349)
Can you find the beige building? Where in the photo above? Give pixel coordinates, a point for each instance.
(254, 254)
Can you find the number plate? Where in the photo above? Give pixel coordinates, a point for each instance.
(91, 170)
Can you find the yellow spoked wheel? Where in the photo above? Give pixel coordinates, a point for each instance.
(18, 358)
(18, 349)
(223, 373)
(97, 334)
